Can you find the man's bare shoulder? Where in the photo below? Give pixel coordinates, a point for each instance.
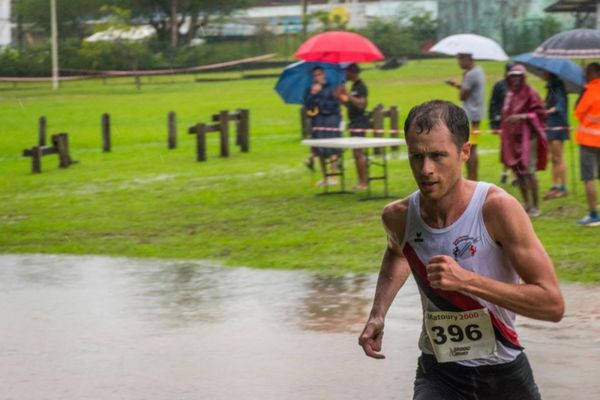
(394, 214)
(503, 213)
(498, 201)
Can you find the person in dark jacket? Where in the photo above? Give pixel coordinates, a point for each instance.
(323, 107)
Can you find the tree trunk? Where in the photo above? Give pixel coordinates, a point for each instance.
(191, 33)
(174, 24)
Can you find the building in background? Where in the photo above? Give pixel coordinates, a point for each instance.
(285, 16)
(5, 24)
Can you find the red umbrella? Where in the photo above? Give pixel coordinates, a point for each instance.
(339, 47)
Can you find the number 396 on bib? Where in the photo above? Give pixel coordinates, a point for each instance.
(456, 336)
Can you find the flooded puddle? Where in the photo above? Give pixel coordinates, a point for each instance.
(103, 328)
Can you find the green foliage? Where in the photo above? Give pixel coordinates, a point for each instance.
(71, 15)
(124, 55)
(395, 39)
(35, 61)
(525, 35)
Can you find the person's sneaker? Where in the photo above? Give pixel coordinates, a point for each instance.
(555, 194)
(504, 178)
(588, 220)
(534, 212)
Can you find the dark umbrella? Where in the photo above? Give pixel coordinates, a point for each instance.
(577, 43)
(295, 80)
(339, 47)
(570, 73)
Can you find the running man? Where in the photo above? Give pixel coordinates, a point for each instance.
(477, 262)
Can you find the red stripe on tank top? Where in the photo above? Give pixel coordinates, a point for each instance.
(457, 299)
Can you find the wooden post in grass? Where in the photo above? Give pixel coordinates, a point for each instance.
(172, 135)
(61, 142)
(36, 160)
(42, 131)
(394, 125)
(243, 130)
(201, 142)
(106, 132)
(224, 131)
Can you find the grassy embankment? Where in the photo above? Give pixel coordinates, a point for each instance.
(257, 209)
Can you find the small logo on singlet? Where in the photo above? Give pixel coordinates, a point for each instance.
(464, 247)
(419, 238)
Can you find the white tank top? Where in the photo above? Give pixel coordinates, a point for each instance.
(469, 243)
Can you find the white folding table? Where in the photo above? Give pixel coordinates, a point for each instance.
(355, 142)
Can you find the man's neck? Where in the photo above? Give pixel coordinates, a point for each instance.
(443, 212)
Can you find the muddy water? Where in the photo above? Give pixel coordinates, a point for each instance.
(112, 328)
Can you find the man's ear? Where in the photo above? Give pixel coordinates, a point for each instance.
(465, 151)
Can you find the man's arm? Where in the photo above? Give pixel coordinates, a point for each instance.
(538, 296)
(582, 106)
(359, 100)
(392, 275)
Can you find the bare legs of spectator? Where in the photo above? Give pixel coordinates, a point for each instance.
(559, 171)
(360, 159)
(528, 185)
(590, 195)
(472, 164)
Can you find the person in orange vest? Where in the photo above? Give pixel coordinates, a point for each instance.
(587, 136)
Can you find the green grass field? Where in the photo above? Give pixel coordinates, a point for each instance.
(258, 209)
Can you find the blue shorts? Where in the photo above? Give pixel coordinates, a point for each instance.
(561, 135)
(452, 381)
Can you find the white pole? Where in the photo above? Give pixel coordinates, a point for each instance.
(54, 44)
(5, 38)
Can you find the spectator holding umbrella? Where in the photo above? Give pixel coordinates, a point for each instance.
(523, 141)
(588, 138)
(557, 105)
(323, 107)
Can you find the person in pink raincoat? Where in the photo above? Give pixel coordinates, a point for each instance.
(524, 146)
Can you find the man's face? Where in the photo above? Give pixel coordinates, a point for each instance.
(435, 160)
(515, 81)
(319, 76)
(463, 61)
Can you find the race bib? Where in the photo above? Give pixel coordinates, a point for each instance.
(457, 336)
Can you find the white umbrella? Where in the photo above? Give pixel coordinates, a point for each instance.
(479, 47)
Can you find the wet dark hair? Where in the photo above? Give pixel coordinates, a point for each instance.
(353, 68)
(594, 67)
(317, 68)
(424, 117)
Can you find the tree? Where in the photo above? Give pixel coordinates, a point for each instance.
(167, 16)
(72, 15)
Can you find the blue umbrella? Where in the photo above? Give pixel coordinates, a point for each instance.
(570, 73)
(295, 80)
